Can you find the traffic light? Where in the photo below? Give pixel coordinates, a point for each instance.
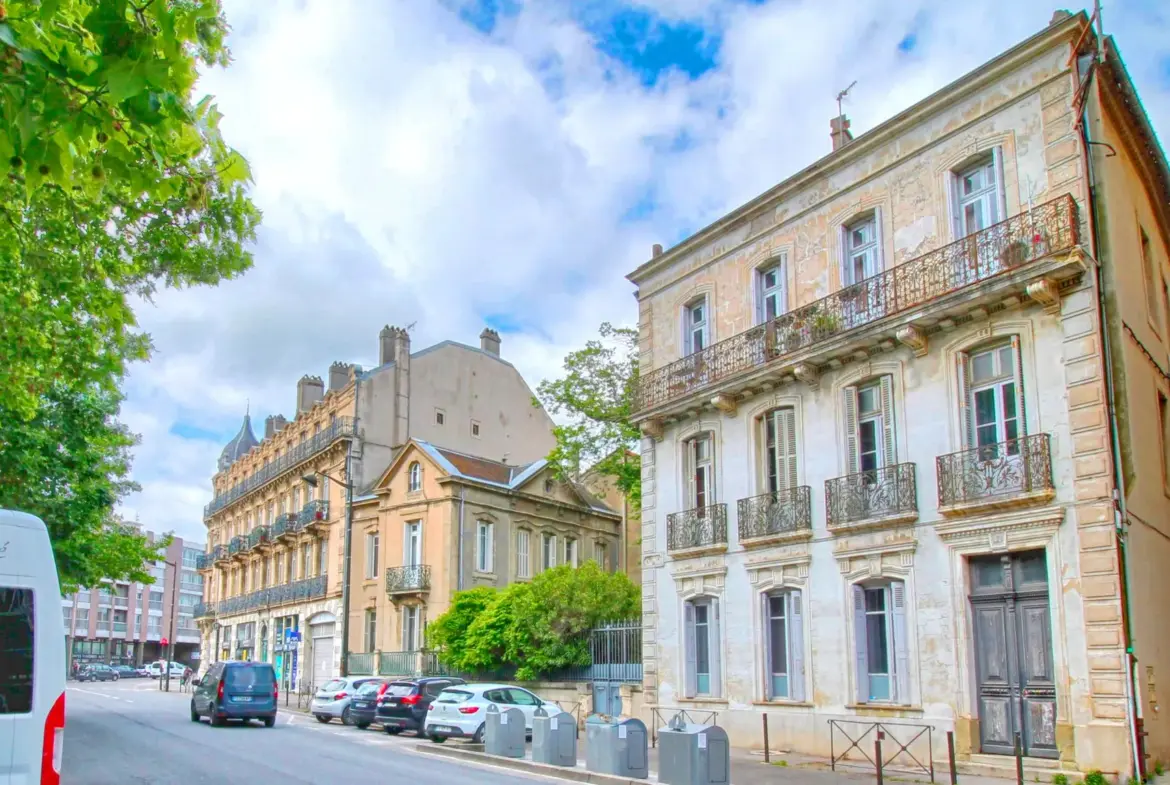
(164, 641)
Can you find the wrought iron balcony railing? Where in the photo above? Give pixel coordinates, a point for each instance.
(308, 589)
(995, 472)
(411, 578)
(259, 536)
(340, 428)
(879, 493)
(219, 552)
(315, 511)
(283, 524)
(203, 610)
(1046, 229)
(702, 527)
(204, 560)
(237, 545)
(775, 514)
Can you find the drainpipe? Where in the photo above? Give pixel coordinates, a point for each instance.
(349, 482)
(459, 539)
(1120, 511)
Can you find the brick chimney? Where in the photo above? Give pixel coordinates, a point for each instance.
(310, 389)
(839, 132)
(489, 341)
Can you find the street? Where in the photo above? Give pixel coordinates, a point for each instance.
(128, 732)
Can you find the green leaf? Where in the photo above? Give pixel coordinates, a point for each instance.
(124, 80)
(7, 36)
(235, 169)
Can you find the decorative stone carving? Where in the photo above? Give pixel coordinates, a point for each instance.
(725, 403)
(1046, 292)
(946, 324)
(807, 373)
(652, 428)
(914, 338)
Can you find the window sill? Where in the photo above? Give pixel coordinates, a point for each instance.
(977, 506)
(776, 539)
(479, 574)
(368, 582)
(876, 522)
(780, 704)
(705, 701)
(892, 709)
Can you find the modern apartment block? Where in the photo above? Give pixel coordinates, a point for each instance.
(123, 622)
(905, 428)
(276, 523)
(440, 521)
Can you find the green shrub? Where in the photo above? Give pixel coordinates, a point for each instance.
(1059, 779)
(1095, 777)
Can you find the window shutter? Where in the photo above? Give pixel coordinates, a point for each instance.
(491, 531)
(767, 636)
(953, 206)
(1000, 189)
(860, 654)
(901, 643)
(402, 627)
(795, 646)
(888, 437)
(1018, 371)
(849, 401)
(691, 682)
(715, 644)
(786, 448)
(966, 415)
(879, 239)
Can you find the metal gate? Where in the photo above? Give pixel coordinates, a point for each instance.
(616, 649)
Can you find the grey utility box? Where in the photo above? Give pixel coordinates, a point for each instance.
(690, 754)
(617, 747)
(554, 737)
(504, 732)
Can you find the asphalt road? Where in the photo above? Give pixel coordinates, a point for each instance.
(128, 732)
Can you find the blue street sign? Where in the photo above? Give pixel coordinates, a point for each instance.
(292, 635)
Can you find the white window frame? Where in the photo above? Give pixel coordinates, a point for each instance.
(896, 679)
(523, 553)
(372, 555)
(694, 683)
(371, 629)
(700, 469)
(601, 555)
(548, 551)
(869, 251)
(780, 460)
(696, 332)
(414, 479)
(484, 546)
(571, 551)
(412, 544)
(991, 195)
(882, 419)
(774, 294)
(411, 619)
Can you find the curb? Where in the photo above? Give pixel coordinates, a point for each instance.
(521, 764)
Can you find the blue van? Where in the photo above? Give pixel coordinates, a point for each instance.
(236, 691)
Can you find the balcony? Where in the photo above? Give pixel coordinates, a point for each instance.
(204, 610)
(121, 602)
(219, 553)
(413, 579)
(258, 537)
(880, 497)
(340, 428)
(1028, 255)
(316, 511)
(696, 531)
(1015, 473)
(119, 628)
(238, 546)
(308, 589)
(776, 517)
(204, 561)
(285, 523)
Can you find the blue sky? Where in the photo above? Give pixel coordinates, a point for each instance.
(505, 163)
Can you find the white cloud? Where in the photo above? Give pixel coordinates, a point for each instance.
(413, 169)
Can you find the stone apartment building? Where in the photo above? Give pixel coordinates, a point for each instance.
(124, 622)
(440, 521)
(276, 524)
(879, 454)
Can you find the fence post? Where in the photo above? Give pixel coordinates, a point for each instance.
(951, 756)
(877, 755)
(832, 752)
(767, 751)
(930, 750)
(1019, 760)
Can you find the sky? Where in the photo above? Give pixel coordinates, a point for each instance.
(455, 164)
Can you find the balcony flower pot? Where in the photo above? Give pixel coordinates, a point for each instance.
(1015, 253)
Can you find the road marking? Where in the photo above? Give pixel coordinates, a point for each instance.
(101, 694)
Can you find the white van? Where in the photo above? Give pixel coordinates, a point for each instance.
(32, 653)
(159, 669)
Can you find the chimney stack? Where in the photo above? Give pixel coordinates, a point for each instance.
(385, 345)
(310, 389)
(489, 341)
(339, 375)
(270, 426)
(656, 251)
(839, 131)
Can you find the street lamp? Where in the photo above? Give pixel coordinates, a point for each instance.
(311, 481)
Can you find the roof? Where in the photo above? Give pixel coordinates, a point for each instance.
(240, 445)
(434, 348)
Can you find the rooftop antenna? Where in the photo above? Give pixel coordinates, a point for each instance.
(841, 97)
(410, 326)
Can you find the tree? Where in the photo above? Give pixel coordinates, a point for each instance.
(117, 183)
(448, 633)
(596, 396)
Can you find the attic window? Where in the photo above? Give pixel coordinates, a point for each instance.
(548, 486)
(474, 428)
(439, 417)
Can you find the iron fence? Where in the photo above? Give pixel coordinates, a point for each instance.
(399, 663)
(904, 737)
(992, 471)
(362, 664)
(203, 609)
(316, 510)
(776, 513)
(340, 428)
(1045, 229)
(219, 553)
(238, 545)
(411, 578)
(284, 524)
(890, 490)
(702, 526)
(307, 589)
(204, 561)
(258, 536)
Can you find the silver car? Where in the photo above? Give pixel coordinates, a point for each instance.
(332, 699)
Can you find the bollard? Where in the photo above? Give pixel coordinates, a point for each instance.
(767, 752)
(951, 756)
(877, 756)
(1019, 760)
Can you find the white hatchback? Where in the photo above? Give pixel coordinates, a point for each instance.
(459, 711)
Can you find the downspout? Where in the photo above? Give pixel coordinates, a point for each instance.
(1120, 511)
(349, 482)
(459, 539)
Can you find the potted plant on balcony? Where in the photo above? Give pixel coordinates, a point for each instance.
(1015, 253)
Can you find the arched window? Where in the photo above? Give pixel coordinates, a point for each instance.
(415, 476)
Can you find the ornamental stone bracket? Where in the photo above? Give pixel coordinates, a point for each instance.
(893, 556)
(726, 404)
(1001, 532)
(914, 338)
(807, 373)
(777, 570)
(1046, 292)
(652, 428)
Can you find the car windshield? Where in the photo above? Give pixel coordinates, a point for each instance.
(333, 685)
(454, 696)
(248, 676)
(400, 690)
(369, 688)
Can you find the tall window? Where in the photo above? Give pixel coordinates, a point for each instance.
(1150, 274)
(548, 551)
(415, 476)
(995, 399)
(978, 196)
(882, 654)
(371, 555)
(700, 470)
(410, 618)
(279, 570)
(306, 559)
(412, 544)
(779, 450)
(523, 556)
(1164, 425)
(264, 572)
(371, 629)
(600, 556)
(861, 250)
(784, 646)
(869, 426)
(484, 545)
(696, 338)
(290, 566)
(296, 499)
(255, 575)
(701, 623)
(323, 556)
(770, 288)
(570, 552)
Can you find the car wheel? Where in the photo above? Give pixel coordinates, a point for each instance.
(269, 722)
(478, 737)
(438, 739)
(362, 725)
(393, 731)
(216, 722)
(115, 677)
(321, 718)
(346, 716)
(194, 714)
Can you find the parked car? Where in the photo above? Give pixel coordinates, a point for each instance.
(159, 669)
(364, 704)
(125, 671)
(143, 672)
(333, 698)
(236, 691)
(458, 712)
(405, 702)
(97, 672)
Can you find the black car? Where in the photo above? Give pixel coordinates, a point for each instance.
(404, 704)
(97, 672)
(364, 703)
(125, 671)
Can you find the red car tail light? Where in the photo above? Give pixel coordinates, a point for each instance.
(340, 695)
(411, 700)
(54, 743)
(468, 709)
(219, 692)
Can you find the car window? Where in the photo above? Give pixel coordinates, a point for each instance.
(369, 688)
(400, 689)
(495, 696)
(359, 683)
(16, 650)
(249, 676)
(433, 688)
(518, 697)
(333, 685)
(454, 696)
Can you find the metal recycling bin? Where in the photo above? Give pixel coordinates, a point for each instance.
(691, 754)
(504, 732)
(616, 746)
(554, 737)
